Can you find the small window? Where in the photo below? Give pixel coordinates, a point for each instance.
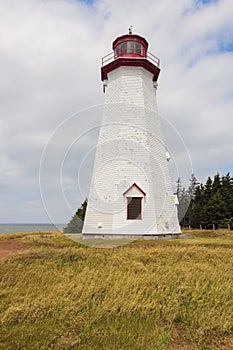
(138, 50)
(117, 51)
(134, 47)
(123, 48)
(134, 208)
(131, 47)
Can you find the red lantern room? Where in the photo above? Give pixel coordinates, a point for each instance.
(130, 50)
(130, 45)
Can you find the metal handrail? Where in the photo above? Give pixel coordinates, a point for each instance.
(153, 59)
(150, 57)
(108, 57)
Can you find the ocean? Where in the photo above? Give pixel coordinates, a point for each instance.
(15, 228)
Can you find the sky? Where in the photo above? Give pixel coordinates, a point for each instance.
(51, 94)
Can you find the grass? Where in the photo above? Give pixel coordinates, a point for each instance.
(58, 294)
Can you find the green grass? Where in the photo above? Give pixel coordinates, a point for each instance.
(59, 294)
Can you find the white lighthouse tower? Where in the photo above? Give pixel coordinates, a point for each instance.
(131, 193)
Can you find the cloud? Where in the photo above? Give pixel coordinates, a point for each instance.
(50, 57)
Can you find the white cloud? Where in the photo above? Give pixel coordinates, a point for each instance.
(50, 57)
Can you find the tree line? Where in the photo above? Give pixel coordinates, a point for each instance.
(208, 205)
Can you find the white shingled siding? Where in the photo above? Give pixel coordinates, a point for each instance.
(130, 150)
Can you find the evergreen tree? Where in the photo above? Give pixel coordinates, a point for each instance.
(198, 206)
(182, 207)
(208, 188)
(217, 204)
(216, 186)
(191, 194)
(186, 201)
(227, 195)
(206, 205)
(213, 203)
(76, 223)
(183, 202)
(217, 210)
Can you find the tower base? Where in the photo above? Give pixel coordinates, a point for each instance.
(131, 237)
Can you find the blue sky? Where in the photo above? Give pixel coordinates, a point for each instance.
(208, 1)
(89, 2)
(50, 58)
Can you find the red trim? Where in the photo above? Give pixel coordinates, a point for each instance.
(134, 184)
(138, 217)
(130, 62)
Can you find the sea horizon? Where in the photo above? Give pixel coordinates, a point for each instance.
(30, 227)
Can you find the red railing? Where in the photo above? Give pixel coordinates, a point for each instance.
(150, 57)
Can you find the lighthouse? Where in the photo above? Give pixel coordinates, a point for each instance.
(131, 192)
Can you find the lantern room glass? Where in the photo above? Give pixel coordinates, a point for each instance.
(129, 47)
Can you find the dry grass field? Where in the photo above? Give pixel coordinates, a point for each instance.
(153, 295)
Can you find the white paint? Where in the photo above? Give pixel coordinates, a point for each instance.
(130, 150)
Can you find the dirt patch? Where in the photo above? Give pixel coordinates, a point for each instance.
(66, 342)
(179, 340)
(225, 343)
(8, 247)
